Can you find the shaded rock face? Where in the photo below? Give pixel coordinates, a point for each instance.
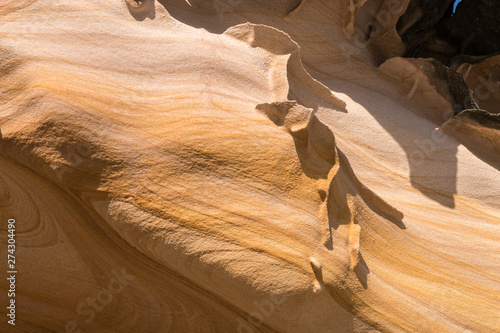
(430, 29)
(250, 166)
(418, 24)
(471, 31)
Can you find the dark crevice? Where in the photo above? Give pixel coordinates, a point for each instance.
(439, 33)
(457, 34)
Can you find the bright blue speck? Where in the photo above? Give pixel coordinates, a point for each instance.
(455, 5)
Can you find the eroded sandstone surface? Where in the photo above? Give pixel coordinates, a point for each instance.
(249, 166)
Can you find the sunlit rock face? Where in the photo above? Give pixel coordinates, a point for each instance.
(248, 166)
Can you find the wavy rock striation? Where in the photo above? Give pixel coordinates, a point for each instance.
(249, 166)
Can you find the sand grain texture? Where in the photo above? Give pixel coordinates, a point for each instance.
(252, 167)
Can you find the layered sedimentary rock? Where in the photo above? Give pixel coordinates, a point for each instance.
(251, 166)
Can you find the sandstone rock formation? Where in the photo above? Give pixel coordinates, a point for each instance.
(247, 166)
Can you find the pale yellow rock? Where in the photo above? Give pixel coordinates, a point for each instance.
(242, 168)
